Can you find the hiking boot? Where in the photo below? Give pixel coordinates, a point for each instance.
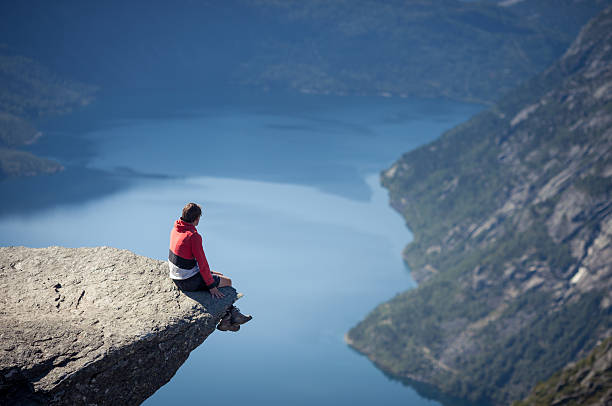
(237, 317)
(226, 324)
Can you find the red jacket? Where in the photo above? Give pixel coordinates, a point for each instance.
(186, 245)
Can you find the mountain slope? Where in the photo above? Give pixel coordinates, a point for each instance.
(28, 92)
(511, 213)
(473, 51)
(467, 50)
(587, 382)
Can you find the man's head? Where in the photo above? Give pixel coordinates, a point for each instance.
(191, 212)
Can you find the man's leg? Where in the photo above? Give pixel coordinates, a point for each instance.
(224, 281)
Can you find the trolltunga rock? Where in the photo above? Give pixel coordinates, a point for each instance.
(94, 325)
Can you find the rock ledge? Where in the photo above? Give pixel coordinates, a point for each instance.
(94, 325)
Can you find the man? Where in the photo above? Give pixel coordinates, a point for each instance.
(189, 268)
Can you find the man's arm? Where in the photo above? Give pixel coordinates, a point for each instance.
(198, 253)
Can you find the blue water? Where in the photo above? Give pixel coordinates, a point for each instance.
(293, 213)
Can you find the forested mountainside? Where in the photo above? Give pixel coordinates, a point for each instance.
(28, 92)
(586, 382)
(472, 51)
(511, 213)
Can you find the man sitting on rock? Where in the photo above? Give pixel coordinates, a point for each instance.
(189, 268)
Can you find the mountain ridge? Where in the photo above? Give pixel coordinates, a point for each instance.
(29, 92)
(512, 221)
(587, 381)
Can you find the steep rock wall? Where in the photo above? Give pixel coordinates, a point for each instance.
(512, 218)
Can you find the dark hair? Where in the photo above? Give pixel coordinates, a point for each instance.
(191, 212)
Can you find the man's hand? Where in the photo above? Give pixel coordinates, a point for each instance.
(216, 293)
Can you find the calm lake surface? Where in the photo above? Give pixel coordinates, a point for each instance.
(293, 213)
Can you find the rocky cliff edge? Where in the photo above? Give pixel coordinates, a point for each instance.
(94, 325)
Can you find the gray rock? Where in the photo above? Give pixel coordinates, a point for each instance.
(94, 325)
(586, 382)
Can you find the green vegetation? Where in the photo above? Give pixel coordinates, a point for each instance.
(28, 92)
(498, 206)
(440, 309)
(547, 344)
(15, 131)
(595, 185)
(475, 51)
(21, 163)
(583, 383)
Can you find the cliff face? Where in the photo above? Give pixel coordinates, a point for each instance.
(511, 213)
(587, 382)
(94, 325)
